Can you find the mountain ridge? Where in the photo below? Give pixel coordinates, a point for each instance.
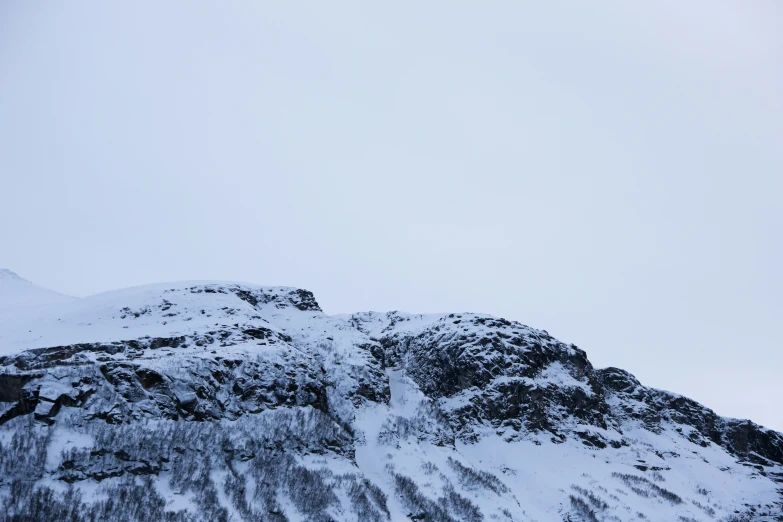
(386, 416)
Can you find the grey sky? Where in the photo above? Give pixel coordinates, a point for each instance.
(609, 171)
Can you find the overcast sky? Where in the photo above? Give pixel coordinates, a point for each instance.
(611, 171)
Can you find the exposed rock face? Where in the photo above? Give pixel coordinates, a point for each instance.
(249, 403)
(119, 383)
(745, 439)
(303, 300)
(500, 373)
(12, 386)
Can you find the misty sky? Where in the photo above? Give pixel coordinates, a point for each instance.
(611, 171)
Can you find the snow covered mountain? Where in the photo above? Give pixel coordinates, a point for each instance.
(20, 300)
(213, 401)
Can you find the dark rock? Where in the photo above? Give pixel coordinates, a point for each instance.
(498, 370)
(12, 385)
(741, 438)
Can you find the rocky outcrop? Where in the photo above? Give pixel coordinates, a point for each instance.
(300, 299)
(502, 374)
(121, 382)
(651, 407)
(251, 397)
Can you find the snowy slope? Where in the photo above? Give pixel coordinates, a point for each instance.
(153, 310)
(16, 292)
(22, 301)
(231, 401)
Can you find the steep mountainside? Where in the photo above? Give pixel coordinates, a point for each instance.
(211, 401)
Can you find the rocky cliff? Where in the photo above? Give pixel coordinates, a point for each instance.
(219, 401)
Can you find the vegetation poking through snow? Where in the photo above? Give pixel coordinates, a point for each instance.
(643, 487)
(472, 478)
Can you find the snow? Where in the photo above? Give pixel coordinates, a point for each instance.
(175, 500)
(22, 302)
(534, 477)
(159, 310)
(64, 439)
(556, 374)
(541, 474)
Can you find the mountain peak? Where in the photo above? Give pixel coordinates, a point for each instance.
(6, 274)
(21, 300)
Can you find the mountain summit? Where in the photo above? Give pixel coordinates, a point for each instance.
(8, 274)
(22, 301)
(217, 401)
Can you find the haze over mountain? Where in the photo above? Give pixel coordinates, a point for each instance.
(217, 401)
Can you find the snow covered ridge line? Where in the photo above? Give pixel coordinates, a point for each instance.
(204, 401)
(140, 311)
